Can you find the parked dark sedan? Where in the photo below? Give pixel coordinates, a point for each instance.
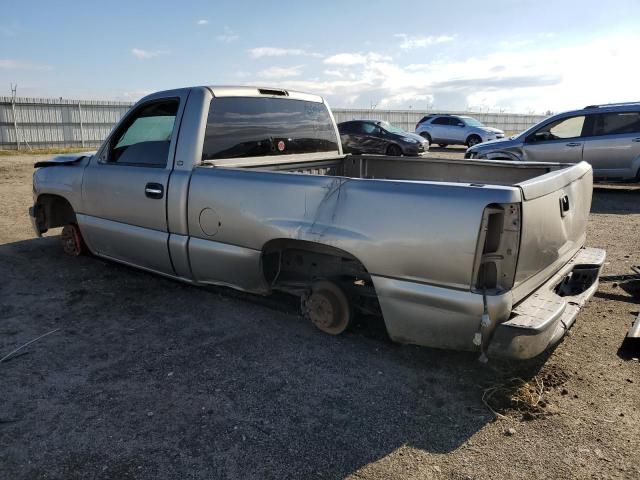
(381, 138)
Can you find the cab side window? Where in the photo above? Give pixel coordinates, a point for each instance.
(441, 121)
(368, 128)
(346, 128)
(616, 123)
(145, 136)
(562, 129)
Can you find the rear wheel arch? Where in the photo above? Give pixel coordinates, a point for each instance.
(426, 136)
(280, 245)
(296, 265)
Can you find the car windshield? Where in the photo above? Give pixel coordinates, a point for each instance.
(390, 128)
(472, 122)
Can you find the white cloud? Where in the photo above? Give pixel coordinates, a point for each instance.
(543, 76)
(334, 73)
(346, 59)
(136, 94)
(281, 72)
(228, 36)
(349, 59)
(10, 64)
(146, 54)
(421, 41)
(202, 22)
(260, 52)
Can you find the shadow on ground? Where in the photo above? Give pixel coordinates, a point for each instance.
(150, 378)
(615, 199)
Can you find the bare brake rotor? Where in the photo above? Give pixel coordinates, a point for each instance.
(327, 307)
(72, 242)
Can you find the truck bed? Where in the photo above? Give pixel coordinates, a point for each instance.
(432, 169)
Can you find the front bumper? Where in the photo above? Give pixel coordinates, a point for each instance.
(544, 317)
(418, 150)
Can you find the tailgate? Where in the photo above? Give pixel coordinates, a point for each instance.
(555, 210)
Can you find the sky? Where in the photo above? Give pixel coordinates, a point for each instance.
(512, 56)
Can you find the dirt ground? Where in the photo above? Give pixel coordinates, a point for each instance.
(147, 378)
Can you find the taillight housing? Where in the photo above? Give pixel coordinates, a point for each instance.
(497, 250)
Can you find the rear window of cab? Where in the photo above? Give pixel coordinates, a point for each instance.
(262, 126)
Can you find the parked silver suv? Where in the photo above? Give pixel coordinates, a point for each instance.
(445, 129)
(606, 136)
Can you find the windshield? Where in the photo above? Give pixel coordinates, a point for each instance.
(390, 128)
(472, 122)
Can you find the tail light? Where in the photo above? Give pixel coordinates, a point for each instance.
(497, 250)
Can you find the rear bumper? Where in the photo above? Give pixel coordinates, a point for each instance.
(544, 317)
(441, 317)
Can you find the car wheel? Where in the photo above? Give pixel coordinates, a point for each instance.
(473, 140)
(427, 137)
(394, 151)
(443, 145)
(327, 307)
(72, 241)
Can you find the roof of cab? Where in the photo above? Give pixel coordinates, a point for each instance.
(246, 91)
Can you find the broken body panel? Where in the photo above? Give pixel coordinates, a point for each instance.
(448, 249)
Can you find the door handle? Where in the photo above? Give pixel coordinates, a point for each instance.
(154, 190)
(573, 144)
(564, 205)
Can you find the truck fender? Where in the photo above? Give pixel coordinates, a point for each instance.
(52, 211)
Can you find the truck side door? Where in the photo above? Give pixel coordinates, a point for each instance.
(125, 185)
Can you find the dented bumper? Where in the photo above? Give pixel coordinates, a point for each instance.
(543, 318)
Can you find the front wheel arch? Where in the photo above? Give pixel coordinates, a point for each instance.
(53, 211)
(394, 150)
(502, 156)
(469, 142)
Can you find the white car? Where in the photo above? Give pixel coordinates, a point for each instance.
(455, 130)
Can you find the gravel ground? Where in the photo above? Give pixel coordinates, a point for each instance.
(147, 378)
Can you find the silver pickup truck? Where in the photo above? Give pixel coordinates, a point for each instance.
(248, 188)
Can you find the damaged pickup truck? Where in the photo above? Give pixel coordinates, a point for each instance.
(248, 188)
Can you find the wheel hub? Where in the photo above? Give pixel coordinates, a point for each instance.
(320, 311)
(71, 240)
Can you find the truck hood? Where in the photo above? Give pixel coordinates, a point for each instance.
(67, 159)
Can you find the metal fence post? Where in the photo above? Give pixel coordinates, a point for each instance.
(81, 124)
(15, 123)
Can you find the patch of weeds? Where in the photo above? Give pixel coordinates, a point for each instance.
(524, 398)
